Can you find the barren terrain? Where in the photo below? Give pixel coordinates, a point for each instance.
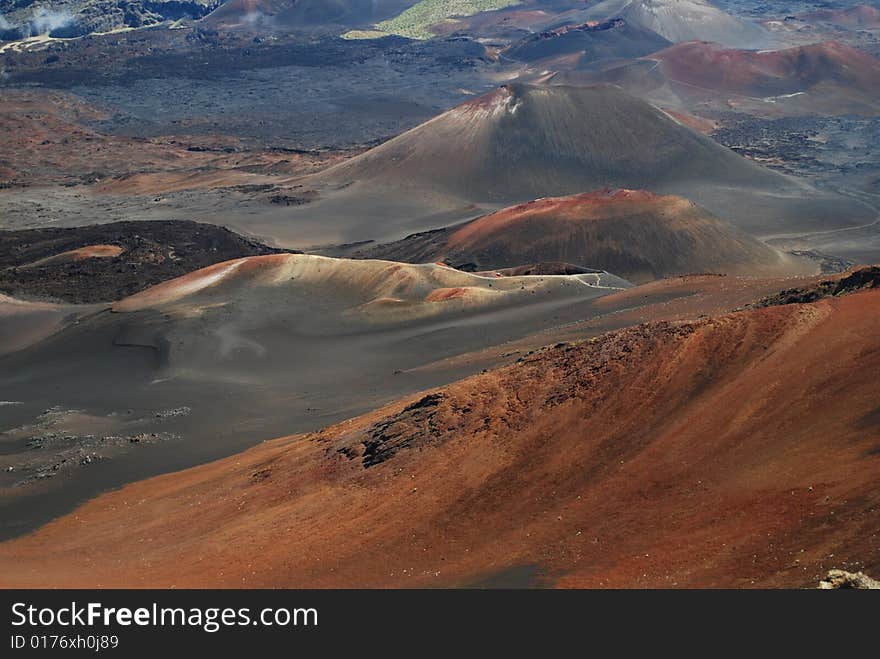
(729, 452)
(543, 294)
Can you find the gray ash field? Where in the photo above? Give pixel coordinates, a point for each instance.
(294, 91)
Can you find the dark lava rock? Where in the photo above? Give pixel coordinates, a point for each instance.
(857, 280)
(386, 438)
(152, 252)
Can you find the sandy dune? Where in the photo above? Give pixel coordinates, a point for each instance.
(857, 16)
(25, 323)
(828, 78)
(375, 291)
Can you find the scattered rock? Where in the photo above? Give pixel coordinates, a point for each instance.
(841, 579)
(857, 280)
(176, 411)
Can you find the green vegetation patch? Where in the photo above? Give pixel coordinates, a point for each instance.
(416, 21)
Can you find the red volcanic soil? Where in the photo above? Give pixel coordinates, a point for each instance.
(766, 73)
(736, 451)
(635, 234)
(46, 138)
(442, 294)
(858, 16)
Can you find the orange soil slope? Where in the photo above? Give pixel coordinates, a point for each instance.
(735, 451)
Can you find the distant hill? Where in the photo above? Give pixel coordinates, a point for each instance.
(677, 20)
(774, 72)
(857, 16)
(523, 142)
(826, 78)
(635, 234)
(532, 140)
(611, 39)
(417, 21)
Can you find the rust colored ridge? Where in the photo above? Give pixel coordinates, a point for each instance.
(858, 16)
(80, 253)
(497, 98)
(175, 289)
(446, 294)
(588, 205)
(857, 279)
(736, 451)
(770, 72)
(699, 124)
(636, 234)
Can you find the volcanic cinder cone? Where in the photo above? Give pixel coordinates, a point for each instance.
(590, 41)
(532, 141)
(637, 234)
(682, 20)
(523, 142)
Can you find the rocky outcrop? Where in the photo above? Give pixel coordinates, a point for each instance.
(841, 579)
(850, 282)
